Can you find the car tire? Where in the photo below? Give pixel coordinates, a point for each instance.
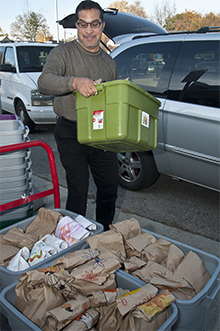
(137, 170)
(23, 115)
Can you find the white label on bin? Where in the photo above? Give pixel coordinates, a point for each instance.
(145, 119)
(98, 119)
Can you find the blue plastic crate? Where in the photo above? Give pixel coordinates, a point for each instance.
(18, 321)
(8, 277)
(194, 314)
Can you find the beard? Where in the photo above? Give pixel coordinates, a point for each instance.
(88, 46)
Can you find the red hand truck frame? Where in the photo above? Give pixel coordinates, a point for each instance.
(55, 190)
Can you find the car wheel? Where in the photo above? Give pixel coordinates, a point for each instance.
(137, 170)
(23, 115)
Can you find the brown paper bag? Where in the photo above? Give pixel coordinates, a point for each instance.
(106, 297)
(68, 291)
(193, 270)
(163, 278)
(59, 317)
(96, 271)
(33, 298)
(110, 318)
(109, 240)
(7, 252)
(18, 238)
(84, 321)
(157, 304)
(136, 320)
(163, 245)
(150, 270)
(45, 223)
(84, 287)
(174, 257)
(136, 245)
(75, 259)
(134, 263)
(155, 253)
(131, 299)
(128, 228)
(179, 287)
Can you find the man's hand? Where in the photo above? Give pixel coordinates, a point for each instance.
(84, 86)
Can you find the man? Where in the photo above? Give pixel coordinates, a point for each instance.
(76, 66)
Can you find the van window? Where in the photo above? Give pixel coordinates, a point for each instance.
(32, 58)
(9, 56)
(196, 76)
(1, 53)
(149, 65)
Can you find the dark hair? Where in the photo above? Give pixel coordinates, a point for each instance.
(88, 4)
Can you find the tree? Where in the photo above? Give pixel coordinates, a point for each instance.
(2, 33)
(162, 12)
(43, 36)
(28, 26)
(211, 19)
(135, 9)
(191, 21)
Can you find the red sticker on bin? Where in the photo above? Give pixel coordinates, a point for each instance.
(98, 119)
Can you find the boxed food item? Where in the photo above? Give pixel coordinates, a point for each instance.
(122, 117)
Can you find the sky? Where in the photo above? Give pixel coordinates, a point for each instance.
(9, 9)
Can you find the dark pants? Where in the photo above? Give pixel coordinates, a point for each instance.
(76, 159)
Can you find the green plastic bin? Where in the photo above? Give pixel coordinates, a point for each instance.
(121, 118)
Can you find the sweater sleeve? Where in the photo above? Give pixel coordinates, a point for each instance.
(53, 81)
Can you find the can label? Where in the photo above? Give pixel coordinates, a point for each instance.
(88, 320)
(145, 119)
(98, 119)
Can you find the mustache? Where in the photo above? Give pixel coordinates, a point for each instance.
(89, 35)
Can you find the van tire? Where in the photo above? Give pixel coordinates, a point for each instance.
(137, 171)
(23, 116)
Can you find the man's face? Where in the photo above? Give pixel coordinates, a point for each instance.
(89, 37)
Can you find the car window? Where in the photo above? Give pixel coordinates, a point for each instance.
(9, 56)
(32, 58)
(196, 74)
(1, 53)
(148, 65)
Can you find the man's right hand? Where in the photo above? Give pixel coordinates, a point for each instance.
(85, 86)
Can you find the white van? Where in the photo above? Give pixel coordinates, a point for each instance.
(21, 63)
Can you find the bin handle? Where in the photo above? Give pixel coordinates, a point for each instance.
(99, 88)
(209, 298)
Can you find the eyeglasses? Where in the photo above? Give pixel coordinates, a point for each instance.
(94, 24)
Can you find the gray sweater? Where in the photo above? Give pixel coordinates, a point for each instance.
(64, 63)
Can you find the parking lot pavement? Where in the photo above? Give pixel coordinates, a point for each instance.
(205, 244)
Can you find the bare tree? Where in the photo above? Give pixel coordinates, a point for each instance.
(163, 11)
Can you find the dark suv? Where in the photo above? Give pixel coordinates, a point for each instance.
(182, 71)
